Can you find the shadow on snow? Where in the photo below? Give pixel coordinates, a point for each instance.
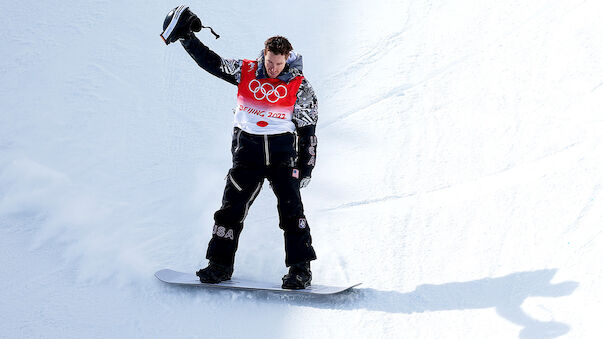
(505, 294)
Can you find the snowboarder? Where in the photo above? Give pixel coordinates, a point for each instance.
(274, 138)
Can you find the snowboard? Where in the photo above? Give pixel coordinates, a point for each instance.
(190, 279)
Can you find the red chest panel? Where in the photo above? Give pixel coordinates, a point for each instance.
(266, 93)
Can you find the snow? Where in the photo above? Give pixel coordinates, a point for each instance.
(458, 173)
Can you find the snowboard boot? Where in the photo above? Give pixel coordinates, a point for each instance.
(215, 273)
(299, 277)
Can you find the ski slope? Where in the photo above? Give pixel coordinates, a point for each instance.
(459, 174)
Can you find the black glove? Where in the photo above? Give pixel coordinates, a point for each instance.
(306, 157)
(180, 22)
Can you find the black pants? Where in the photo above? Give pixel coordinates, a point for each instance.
(256, 157)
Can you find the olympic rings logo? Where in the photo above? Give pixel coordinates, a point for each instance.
(267, 91)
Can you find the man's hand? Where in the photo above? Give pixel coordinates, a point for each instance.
(304, 182)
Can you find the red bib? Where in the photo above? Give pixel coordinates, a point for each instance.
(265, 106)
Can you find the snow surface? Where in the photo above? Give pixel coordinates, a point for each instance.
(459, 172)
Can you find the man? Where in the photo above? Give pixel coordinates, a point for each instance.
(273, 138)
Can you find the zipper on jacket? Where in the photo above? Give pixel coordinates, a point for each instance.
(266, 150)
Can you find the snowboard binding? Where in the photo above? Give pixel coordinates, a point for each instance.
(298, 278)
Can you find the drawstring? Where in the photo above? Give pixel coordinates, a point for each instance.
(212, 31)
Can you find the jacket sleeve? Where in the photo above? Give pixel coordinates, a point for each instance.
(305, 117)
(225, 69)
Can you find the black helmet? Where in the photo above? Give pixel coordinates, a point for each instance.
(168, 18)
(179, 22)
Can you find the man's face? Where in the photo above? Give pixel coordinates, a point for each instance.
(274, 63)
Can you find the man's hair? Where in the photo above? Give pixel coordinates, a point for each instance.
(278, 45)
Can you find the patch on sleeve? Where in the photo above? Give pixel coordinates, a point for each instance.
(303, 223)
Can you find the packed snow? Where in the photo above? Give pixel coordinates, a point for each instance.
(459, 174)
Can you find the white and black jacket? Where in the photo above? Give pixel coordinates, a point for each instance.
(305, 113)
